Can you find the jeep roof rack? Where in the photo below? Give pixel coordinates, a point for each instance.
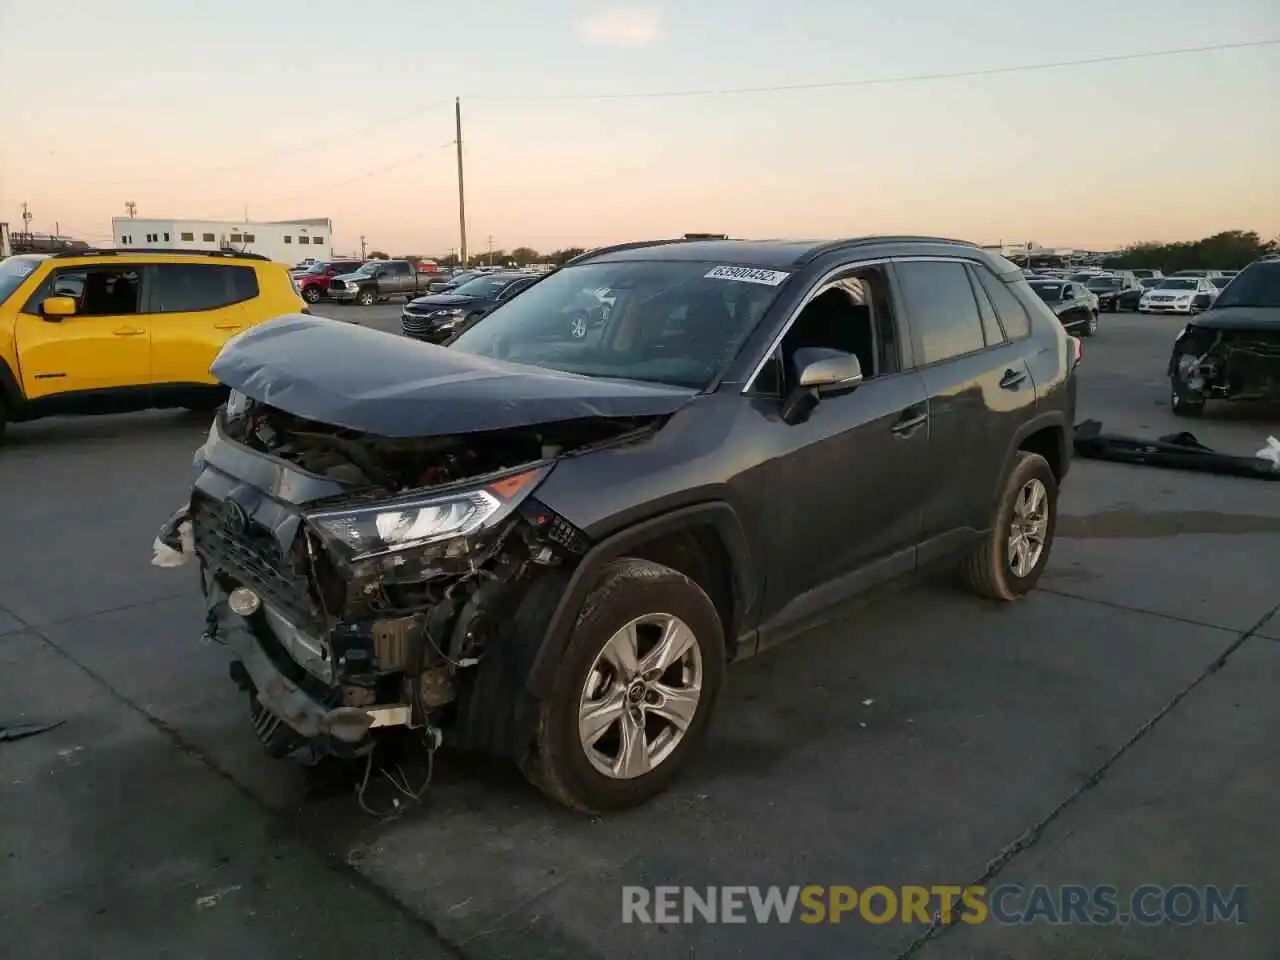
(156, 251)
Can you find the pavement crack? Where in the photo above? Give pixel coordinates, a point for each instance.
(1033, 834)
(277, 817)
(1114, 605)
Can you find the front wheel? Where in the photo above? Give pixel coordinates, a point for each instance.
(311, 294)
(367, 298)
(1184, 406)
(1091, 325)
(578, 325)
(1009, 561)
(633, 695)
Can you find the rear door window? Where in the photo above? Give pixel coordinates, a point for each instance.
(941, 307)
(191, 287)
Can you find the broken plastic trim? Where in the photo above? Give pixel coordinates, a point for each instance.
(1180, 451)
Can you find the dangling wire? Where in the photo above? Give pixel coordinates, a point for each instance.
(399, 781)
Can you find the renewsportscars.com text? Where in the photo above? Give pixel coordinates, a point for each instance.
(1009, 904)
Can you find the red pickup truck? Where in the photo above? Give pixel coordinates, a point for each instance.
(313, 282)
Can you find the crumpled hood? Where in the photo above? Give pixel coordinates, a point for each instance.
(1240, 318)
(349, 376)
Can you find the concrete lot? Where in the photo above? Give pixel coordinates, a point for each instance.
(1117, 727)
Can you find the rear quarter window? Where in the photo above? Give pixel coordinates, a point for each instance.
(1013, 315)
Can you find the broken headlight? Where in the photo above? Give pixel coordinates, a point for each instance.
(365, 531)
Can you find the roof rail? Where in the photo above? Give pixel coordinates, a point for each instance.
(155, 251)
(637, 245)
(834, 245)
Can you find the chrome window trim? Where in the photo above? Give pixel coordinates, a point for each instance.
(820, 287)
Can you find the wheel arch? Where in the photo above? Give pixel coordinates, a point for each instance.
(706, 542)
(10, 389)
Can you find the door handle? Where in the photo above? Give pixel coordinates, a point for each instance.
(910, 423)
(1012, 380)
(128, 332)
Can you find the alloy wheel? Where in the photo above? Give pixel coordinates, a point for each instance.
(640, 696)
(1028, 527)
(578, 327)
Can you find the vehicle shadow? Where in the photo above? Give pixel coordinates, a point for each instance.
(66, 431)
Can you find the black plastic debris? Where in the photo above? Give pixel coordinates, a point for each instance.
(20, 731)
(1180, 451)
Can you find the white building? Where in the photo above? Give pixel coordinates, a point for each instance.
(287, 241)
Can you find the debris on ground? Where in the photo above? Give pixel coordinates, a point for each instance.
(1181, 451)
(20, 731)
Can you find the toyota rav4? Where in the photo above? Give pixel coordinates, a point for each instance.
(550, 546)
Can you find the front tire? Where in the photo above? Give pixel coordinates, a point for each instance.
(366, 298)
(634, 692)
(1008, 563)
(311, 294)
(1183, 406)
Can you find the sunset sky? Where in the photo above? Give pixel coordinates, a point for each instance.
(293, 109)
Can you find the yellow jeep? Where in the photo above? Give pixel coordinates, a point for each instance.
(110, 331)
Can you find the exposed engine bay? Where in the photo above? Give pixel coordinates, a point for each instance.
(1235, 364)
(358, 579)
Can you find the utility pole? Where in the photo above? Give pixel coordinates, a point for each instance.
(57, 228)
(362, 246)
(131, 207)
(491, 249)
(462, 195)
(27, 216)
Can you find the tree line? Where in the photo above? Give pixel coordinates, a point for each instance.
(1229, 250)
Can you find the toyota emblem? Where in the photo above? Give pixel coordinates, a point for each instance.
(234, 517)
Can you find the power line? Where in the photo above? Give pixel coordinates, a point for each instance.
(881, 81)
(360, 176)
(307, 148)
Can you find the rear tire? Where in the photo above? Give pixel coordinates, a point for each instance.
(989, 570)
(561, 764)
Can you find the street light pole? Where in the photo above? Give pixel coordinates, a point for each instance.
(462, 196)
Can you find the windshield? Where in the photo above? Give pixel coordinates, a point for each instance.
(483, 286)
(1047, 291)
(673, 322)
(370, 266)
(13, 270)
(1184, 284)
(1105, 283)
(1254, 286)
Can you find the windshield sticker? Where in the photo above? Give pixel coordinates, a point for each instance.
(769, 278)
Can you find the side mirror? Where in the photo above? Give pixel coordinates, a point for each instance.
(54, 309)
(820, 371)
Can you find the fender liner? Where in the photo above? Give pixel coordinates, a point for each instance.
(1049, 418)
(717, 514)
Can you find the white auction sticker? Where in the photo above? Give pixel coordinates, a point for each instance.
(770, 278)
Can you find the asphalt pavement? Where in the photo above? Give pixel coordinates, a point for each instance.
(1117, 727)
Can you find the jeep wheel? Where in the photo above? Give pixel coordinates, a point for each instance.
(311, 294)
(366, 298)
(634, 692)
(1008, 563)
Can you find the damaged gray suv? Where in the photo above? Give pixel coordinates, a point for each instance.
(549, 546)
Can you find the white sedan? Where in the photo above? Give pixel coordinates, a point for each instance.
(1179, 295)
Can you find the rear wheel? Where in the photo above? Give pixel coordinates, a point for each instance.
(1009, 562)
(634, 693)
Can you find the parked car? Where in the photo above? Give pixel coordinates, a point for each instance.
(1115, 292)
(109, 331)
(452, 281)
(1178, 294)
(1220, 282)
(1072, 303)
(1150, 283)
(1144, 275)
(313, 283)
(380, 280)
(1196, 273)
(437, 317)
(550, 549)
(1232, 350)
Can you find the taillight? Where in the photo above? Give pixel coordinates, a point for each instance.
(1077, 350)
